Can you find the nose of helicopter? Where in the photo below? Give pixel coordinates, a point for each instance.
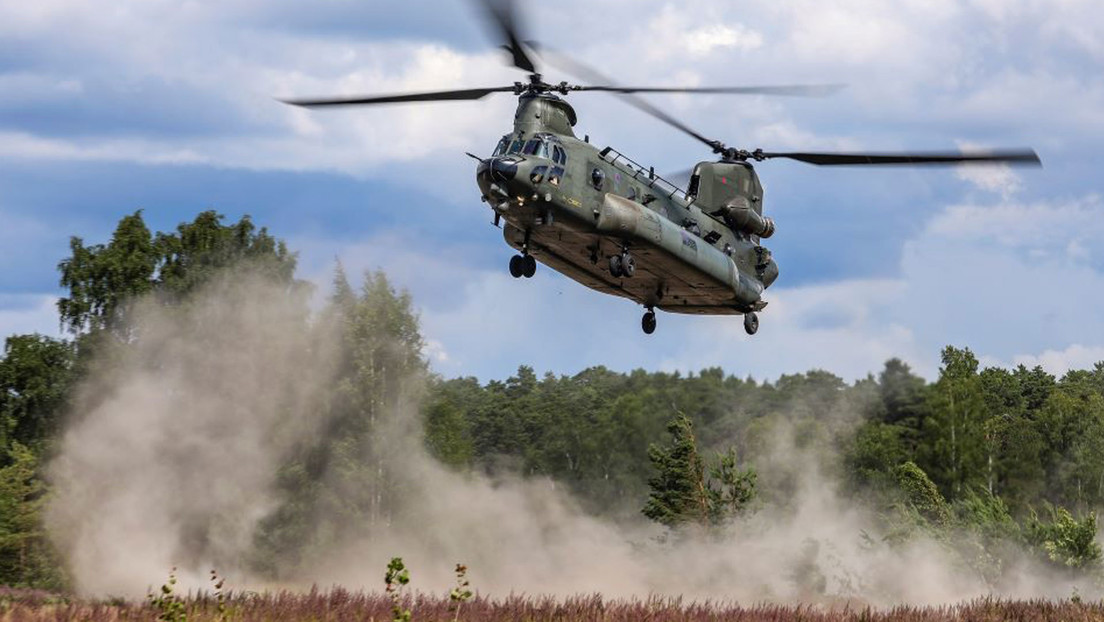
(502, 170)
(503, 176)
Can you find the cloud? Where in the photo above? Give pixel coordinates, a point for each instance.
(28, 313)
(875, 264)
(703, 41)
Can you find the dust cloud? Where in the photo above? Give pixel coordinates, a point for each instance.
(176, 439)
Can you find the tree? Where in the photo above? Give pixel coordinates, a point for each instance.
(27, 558)
(1064, 540)
(953, 451)
(347, 482)
(35, 375)
(103, 281)
(681, 492)
(678, 493)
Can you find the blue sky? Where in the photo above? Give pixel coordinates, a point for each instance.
(168, 106)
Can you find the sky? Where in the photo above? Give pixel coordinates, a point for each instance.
(170, 106)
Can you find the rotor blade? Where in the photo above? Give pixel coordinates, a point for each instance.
(791, 90)
(501, 15)
(460, 95)
(589, 74)
(1012, 156)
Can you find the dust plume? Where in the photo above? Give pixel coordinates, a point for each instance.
(178, 436)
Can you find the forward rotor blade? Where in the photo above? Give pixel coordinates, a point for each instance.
(1011, 156)
(789, 90)
(590, 74)
(459, 95)
(501, 15)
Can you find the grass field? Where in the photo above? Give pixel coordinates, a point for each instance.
(338, 604)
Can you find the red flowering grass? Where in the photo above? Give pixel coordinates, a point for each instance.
(341, 605)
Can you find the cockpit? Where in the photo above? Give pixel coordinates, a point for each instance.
(539, 146)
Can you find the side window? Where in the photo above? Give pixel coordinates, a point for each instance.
(503, 145)
(597, 178)
(537, 175)
(555, 175)
(692, 189)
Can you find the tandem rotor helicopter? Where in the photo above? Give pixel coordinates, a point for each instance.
(616, 226)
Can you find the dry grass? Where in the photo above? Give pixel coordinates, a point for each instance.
(342, 605)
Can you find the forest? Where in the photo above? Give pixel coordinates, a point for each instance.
(991, 462)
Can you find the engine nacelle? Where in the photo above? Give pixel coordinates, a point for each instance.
(739, 215)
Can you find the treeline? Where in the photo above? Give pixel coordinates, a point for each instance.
(1018, 434)
(1001, 455)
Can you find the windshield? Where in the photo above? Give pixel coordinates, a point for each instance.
(507, 146)
(536, 147)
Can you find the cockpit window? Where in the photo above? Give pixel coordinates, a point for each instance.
(559, 156)
(503, 145)
(515, 147)
(536, 147)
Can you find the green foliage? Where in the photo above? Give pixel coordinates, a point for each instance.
(104, 280)
(27, 558)
(730, 490)
(462, 592)
(1064, 540)
(35, 376)
(953, 451)
(921, 494)
(876, 450)
(169, 605)
(343, 483)
(396, 578)
(680, 491)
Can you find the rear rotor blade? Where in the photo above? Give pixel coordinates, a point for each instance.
(459, 95)
(1011, 156)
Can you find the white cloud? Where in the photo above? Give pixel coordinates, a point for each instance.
(1061, 230)
(703, 41)
(1058, 362)
(28, 313)
(1013, 279)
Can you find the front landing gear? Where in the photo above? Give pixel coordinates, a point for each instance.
(523, 266)
(648, 322)
(622, 265)
(751, 323)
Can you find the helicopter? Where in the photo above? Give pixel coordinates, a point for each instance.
(614, 225)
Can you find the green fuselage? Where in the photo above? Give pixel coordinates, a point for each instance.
(573, 206)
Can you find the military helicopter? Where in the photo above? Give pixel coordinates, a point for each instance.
(614, 225)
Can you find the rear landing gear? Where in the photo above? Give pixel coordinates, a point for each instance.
(523, 266)
(648, 322)
(751, 323)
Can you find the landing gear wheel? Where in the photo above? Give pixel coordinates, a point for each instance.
(615, 266)
(628, 265)
(517, 267)
(529, 266)
(751, 323)
(648, 322)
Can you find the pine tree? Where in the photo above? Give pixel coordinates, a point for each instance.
(680, 490)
